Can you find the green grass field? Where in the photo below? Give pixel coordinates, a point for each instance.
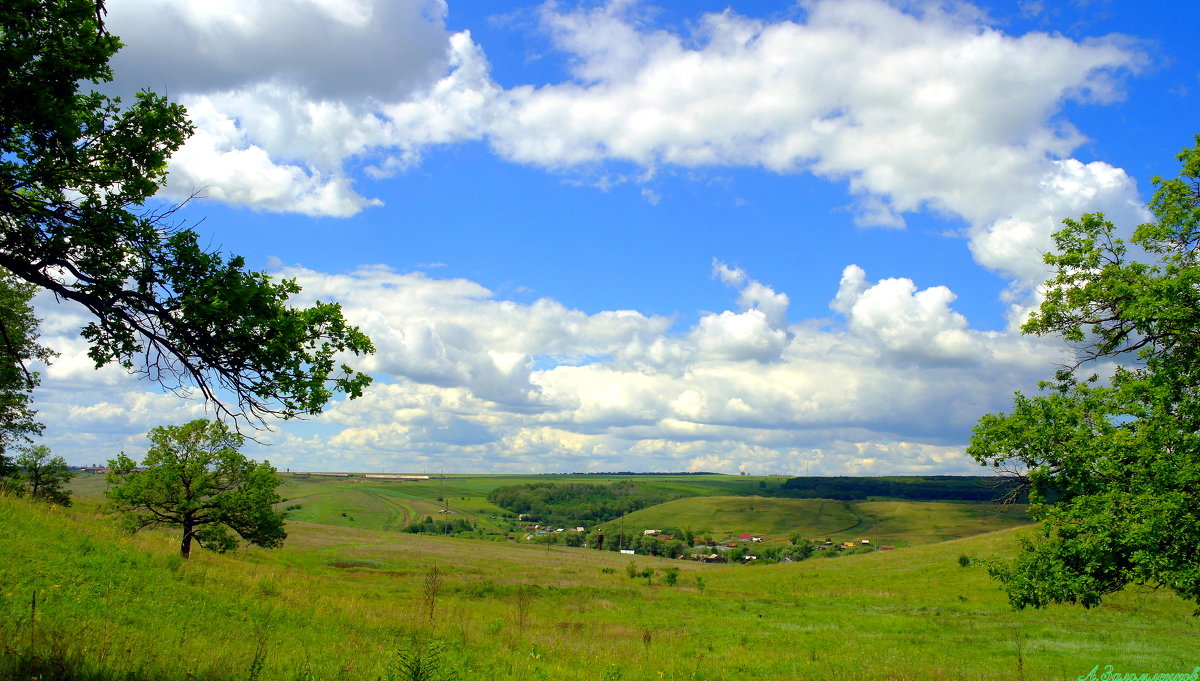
(351, 603)
(898, 523)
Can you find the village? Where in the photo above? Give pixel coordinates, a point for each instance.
(743, 548)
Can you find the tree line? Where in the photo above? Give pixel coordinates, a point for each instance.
(909, 488)
(576, 503)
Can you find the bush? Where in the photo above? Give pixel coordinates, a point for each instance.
(670, 576)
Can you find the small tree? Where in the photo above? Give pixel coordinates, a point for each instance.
(194, 478)
(670, 576)
(43, 477)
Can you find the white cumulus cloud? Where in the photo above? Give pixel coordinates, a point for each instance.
(467, 381)
(914, 107)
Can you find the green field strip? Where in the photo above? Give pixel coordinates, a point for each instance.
(339, 602)
(857, 521)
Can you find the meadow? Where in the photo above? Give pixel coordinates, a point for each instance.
(719, 505)
(896, 523)
(352, 600)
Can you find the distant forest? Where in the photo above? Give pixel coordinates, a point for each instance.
(910, 488)
(570, 503)
(579, 503)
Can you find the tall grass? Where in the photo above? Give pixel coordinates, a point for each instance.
(359, 605)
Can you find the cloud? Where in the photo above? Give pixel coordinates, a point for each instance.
(326, 49)
(467, 381)
(914, 107)
(453, 333)
(905, 370)
(282, 94)
(904, 321)
(924, 110)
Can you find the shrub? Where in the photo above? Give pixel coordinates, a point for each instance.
(670, 576)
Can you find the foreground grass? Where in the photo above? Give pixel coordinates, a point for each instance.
(342, 603)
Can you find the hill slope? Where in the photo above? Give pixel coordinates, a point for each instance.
(344, 603)
(900, 523)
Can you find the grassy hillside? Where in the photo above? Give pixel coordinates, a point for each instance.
(385, 505)
(375, 505)
(722, 517)
(900, 523)
(352, 604)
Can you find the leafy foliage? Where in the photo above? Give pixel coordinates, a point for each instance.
(18, 347)
(459, 527)
(1113, 465)
(76, 168)
(421, 659)
(194, 478)
(41, 476)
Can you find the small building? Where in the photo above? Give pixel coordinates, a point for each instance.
(886, 547)
(651, 533)
(628, 551)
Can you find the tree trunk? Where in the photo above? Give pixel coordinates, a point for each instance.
(185, 547)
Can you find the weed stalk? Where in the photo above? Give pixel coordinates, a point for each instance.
(433, 584)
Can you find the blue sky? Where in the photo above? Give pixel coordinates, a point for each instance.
(761, 236)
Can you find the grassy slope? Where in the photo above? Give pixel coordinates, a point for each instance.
(722, 517)
(391, 505)
(381, 505)
(338, 602)
(899, 523)
(356, 503)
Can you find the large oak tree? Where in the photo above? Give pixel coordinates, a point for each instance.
(1112, 461)
(78, 170)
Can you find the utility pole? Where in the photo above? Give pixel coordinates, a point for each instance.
(445, 508)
